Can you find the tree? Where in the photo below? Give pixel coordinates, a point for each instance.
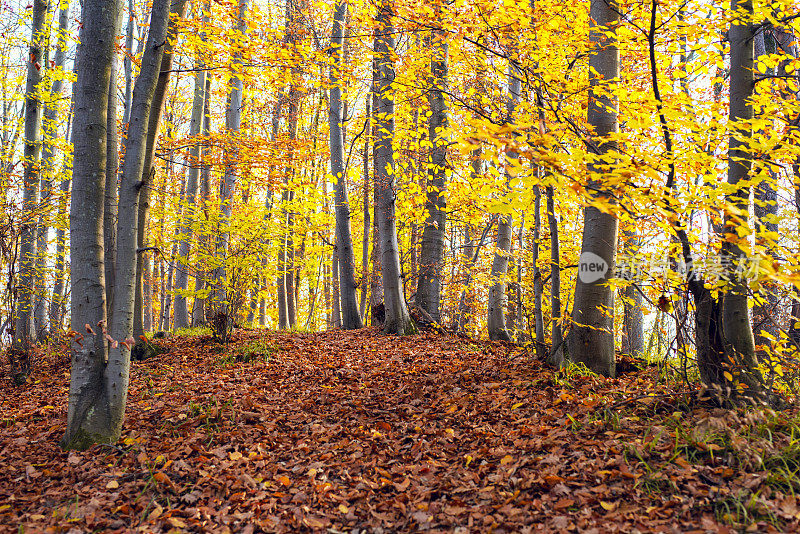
(351, 317)
(433, 236)
(92, 387)
(592, 334)
(397, 320)
(23, 330)
(99, 386)
(496, 316)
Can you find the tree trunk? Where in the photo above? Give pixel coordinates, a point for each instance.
(23, 330)
(351, 318)
(198, 305)
(50, 128)
(496, 318)
(736, 331)
(429, 283)
(538, 288)
(592, 334)
(95, 406)
(177, 12)
(633, 318)
(233, 123)
(182, 282)
(118, 366)
(397, 320)
(367, 226)
(555, 357)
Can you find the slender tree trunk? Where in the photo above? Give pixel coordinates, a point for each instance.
(177, 12)
(233, 123)
(592, 334)
(538, 288)
(50, 128)
(765, 207)
(397, 320)
(431, 265)
(496, 318)
(23, 331)
(182, 282)
(633, 318)
(198, 305)
(96, 395)
(556, 355)
(351, 318)
(734, 310)
(367, 225)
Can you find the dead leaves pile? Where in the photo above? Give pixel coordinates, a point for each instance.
(360, 432)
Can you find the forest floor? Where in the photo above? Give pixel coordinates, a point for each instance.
(365, 433)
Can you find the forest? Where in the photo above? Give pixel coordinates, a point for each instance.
(376, 266)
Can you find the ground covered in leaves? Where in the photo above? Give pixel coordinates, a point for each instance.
(360, 432)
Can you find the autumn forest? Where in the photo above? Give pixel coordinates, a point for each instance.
(510, 232)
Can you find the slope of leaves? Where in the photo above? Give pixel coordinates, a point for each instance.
(346, 432)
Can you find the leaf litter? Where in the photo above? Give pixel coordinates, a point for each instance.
(361, 432)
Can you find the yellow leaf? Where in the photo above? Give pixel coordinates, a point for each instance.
(517, 405)
(343, 509)
(507, 459)
(112, 485)
(728, 376)
(609, 506)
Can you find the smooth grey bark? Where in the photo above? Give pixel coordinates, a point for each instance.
(177, 12)
(95, 412)
(633, 317)
(182, 280)
(233, 123)
(538, 289)
(496, 313)
(556, 355)
(592, 334)
(110, 202)
(55, 312)
(429, 283)
(367, 225)
(397, 320)
(50, 131)
(336, 309)
(734, 312)
(127, 64)
(376, 306)
(198, 305)
(23, 330)
(118, 367)
(350, 316)
(765, 208)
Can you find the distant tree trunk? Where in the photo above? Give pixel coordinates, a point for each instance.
(351, 318)
(57, 304)
(470, 252)
(496, 318)
(765, 207)
(23, 331)
(97, 389)
(397, 320)
(50, 128)
(182, 282)
(198, 305)
(556, 355)
(177, 12)
(233, 123)
(538, 289)
(367, 225)
(633, 318)
(592, 334)
(429, 283)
